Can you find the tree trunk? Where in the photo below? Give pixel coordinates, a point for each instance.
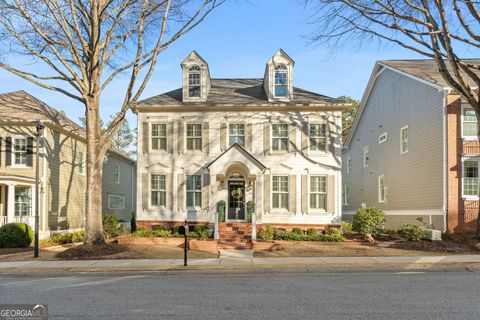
(93, 208)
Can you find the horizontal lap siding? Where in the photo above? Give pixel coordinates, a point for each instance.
(414, 180)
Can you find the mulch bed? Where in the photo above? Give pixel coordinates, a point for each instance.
(458, 243)
(91, 252)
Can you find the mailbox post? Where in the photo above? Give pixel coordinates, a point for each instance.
(183, 230)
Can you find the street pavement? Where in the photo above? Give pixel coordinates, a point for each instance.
(280, 294)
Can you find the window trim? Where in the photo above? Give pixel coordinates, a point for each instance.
(200, 137)
(244, 132)
(150, 190)
(349, 164)
(379, 189)
(117, 177)
(196, 207)
(109, 196)
(318, 210)
(466, 105)
(383, 138)
(327, 135)
(287, 137)
(12, 155)
(402, 151)
(345, 195)
(30, 204)
(151, 137)
(477, 159)
(366, 159)
(280, 192)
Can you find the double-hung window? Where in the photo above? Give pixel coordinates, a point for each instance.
(158, 191)
(318, 192)
(23, 201)
(194, 84)
(281, 81)
(366, 160)
(280, 192)
(116, 173)
(236, 133)
(469, 123)
(20, 151)
(280, 136)
(470, 177)
(318, 137)
(381, 189)
(345, 195)
(194, 136)
(116, 201)
(404, 140)
(349, 164)
(194, 191)
(159, 136)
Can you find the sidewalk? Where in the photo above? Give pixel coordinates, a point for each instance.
(244, 263)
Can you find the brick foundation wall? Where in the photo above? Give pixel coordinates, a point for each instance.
(152, 224)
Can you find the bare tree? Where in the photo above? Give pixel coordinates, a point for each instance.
(86, 45)
(437, 29)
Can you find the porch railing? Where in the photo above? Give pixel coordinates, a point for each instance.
(3, 220)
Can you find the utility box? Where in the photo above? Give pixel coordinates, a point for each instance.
(434, 235)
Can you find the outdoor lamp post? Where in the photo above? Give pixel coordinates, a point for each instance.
(39, 126)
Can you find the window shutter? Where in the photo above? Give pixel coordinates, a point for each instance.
(266, 192)
(292, 136)
(170, 137)
(181, 138)
(145, 195)
(223, 136)
(331, 194)
(304, 193)
(169, 191)
(305, 138)
(30, 151)
(266, 138)
(181, 192)
(8, 151)
(205, 191)
(331, 137)
(292, 201)
(146, 137)
(205, 138)
(248, 137)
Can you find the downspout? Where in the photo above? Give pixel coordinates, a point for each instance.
(446, 92)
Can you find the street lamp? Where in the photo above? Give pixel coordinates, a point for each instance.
(39, 126)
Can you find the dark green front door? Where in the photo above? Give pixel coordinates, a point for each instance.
(236, 200)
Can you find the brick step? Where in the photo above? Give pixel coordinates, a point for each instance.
(234, 245)
(228, 232)
(231, 239)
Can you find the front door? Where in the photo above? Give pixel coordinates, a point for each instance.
(236, 200)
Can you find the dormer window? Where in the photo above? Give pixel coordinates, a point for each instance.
(281, 80)
(194, 82)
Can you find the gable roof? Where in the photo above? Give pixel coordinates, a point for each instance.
(239, 92)
(244, 152)
(22, 107)
(427, 70)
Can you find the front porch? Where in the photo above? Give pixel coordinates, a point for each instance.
(17, 200)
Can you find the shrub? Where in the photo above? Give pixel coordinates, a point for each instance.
(297, 231)
(312, 232)
(67, 237)
(267, 233)
(110, 225)
(346, 226)
(335, 231)
(250, 210)
(200, 231)
(366, 221)
(15, 235)
(412, 232)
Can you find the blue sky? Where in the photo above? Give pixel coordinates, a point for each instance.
(236, 40)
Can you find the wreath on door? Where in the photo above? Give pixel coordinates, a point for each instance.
(237, 193)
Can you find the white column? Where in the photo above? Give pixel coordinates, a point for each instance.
(11, 203)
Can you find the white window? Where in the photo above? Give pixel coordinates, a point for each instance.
(158, 191)
(236, 133)
(81, 163)
(116, 201)
(345, 195)
(23, 201)
(382, 138)
(349, 164)
(381, 188)
(116, 173)
(469, 123)
(318, 192)
(280, 192)
(366, 160)
(318, 137)
(194, 86)
(470, 178)
(159, 136)
(281, 81)
(194, 136)
(404, 140)
(280, 136)
(194, 191)
(19, 153)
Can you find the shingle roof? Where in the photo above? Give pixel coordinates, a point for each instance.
(237, 92)
(425, 69)
(21, 106)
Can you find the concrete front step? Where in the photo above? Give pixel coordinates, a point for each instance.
(234, 245)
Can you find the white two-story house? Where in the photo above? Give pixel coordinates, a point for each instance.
(239, 140)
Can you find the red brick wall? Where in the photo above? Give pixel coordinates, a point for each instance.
(461, 214)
